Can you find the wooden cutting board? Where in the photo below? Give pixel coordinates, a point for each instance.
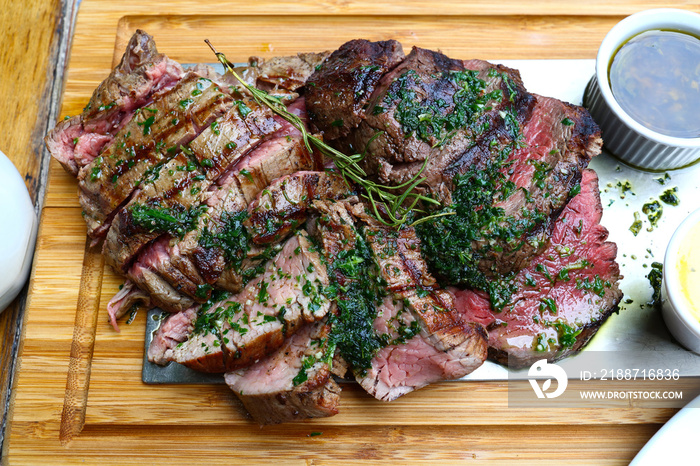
(78, 394)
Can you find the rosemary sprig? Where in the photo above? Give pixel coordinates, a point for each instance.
(390, 206)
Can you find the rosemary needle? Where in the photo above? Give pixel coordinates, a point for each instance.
(389, 205)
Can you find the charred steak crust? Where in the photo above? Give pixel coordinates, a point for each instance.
(336, 94)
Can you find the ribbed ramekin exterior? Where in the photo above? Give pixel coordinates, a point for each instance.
(628, 145)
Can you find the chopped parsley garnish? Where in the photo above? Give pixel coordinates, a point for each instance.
(177, 220)
(232, 238)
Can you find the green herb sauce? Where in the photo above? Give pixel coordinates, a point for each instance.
(232, 238)
(177, 220)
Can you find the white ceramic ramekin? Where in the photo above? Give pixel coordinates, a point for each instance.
(680, 320)
(18, 225)
(623, 136)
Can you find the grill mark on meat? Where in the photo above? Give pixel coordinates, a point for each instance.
(183, 265)
(256, 321)
(107, 182)
(279, 388)
(395, 156)
(583, 302)
(232, 135)
(171, 189)
(141, 73)
(282, 207)
(336, 94)
(440, 345)
(181, 183)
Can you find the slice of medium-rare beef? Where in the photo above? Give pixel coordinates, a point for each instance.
(152, 137)
(539, 179)
(147, 278)
(171, 332)
(201, 347)
(337, 93)
(277, 303)
(292, 383)
(169, 199)
(149, 271)
(283, 76)
(142, 72)
(215, 253)
(237, 331)
(424, 338)
(282, 206)
(562, 297)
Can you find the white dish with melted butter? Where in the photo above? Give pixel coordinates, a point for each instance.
(681, 310)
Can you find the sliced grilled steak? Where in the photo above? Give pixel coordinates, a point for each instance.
(293, 383)
(464, 124)
(424, 338)
(281, 207)
(152, 137)
(169, 199)
(562, 297)
(189, 266)
(142, 72)
(243, 328)
(336, 94)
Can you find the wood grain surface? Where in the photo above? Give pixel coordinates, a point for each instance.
(127, 422)
(32, 35)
